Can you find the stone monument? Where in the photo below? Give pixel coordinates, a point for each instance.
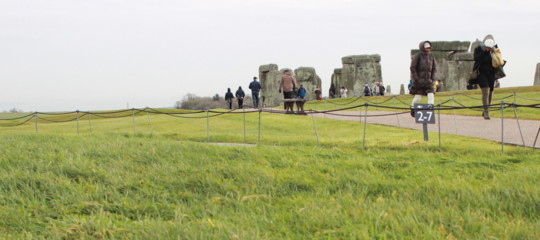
(537, 75)
(309, 78)
(357, 70)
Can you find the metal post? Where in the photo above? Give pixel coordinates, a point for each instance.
(519, 126)
(259, 137)
(244, 113)
(439, 121)
(133, 118)
(502, 126)
(397, 115)
(207, 127)
(89, 121)
(315, 127)
(453, 107)
(78, 133)
(150, 121)
(365, 124)
(35, 120)
(324, 113)
(536, 138)
(514, 97)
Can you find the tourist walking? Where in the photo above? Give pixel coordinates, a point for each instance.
(486, 75)
(255, 88)
(332, 91)
(423, 69)
(240, 97)
(343, 92)
(229, 97)
(367, 90)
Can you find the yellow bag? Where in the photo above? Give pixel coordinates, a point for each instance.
(496, 56)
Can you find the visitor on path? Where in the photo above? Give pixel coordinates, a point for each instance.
(255, 88)
(367, 90)
(229, 97)
(486, 75)
(375, 89)
(423, 69)
(287, 85)
(240, 97)
(343, 92)
(302, 96)
(332, 91)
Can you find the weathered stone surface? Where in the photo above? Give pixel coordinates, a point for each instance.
(537, 75)
(358, 70)
(402, 89)
(450, 46)
(269, 76)
(336, 79)
(308, 77)
(463, 56)
(388, 89)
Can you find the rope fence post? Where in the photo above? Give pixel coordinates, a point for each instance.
(314, 127)
(439, 121)
(35, 121)
(519, 126)
(453, 107)
(536, 138)
(78, 133)
(502, 126)
(244, 114)
(259, 137)
(150, 121)
(397, 115)
(324, 115)
(133, 117)
(365, 125)
(207, 127)
(90, 122)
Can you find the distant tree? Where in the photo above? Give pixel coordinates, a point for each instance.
(215, 97)
(193, 102)
(15, 110)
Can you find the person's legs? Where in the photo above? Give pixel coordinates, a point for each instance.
(416, 99)
(255, 97)
(485, 102)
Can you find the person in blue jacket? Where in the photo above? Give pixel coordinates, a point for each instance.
(255, 88)
(302, 96)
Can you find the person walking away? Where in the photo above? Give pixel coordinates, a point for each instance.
(332, 91)
(255, 88)
(375, 89)
(302, 96)
(486, 75)
(381, 89)
(343, 92)
(367, 90)
(229, 97)
(423, 69)
(287, 84)
(240, 97)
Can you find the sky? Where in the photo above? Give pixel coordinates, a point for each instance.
(67, 55)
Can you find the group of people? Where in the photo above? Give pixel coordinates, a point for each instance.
(378, 89)
(255, 87)
(423, 69)
(342, 91)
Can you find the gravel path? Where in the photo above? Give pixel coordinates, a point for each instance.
(456, 124)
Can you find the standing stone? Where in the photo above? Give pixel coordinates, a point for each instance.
(454, 63)
(309, 78)
(336, 79)
(358, 70)
(269, 76)
(537, 75)
(402, 89)
(388, 90)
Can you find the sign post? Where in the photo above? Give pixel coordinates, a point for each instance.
(424, 114)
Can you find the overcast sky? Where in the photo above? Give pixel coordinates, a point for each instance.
(64, 55)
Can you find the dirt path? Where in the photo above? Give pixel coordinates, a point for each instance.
(456, 124)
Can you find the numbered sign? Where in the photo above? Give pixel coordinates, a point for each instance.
(424, 113)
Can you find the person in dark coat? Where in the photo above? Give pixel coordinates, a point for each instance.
(423, 69)
(255, 88)
(229, 97)
(332, 91)
(240, 97)
(486, 76)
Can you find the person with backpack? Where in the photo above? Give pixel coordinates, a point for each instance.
(229, 97)
(423, 69)
(486, 72)
(240, 97)
(367, 90)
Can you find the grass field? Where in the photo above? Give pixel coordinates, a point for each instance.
(160, 179)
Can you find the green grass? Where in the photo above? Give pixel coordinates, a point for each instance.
(163, 181)
(471, 98)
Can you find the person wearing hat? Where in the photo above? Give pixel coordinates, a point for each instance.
(255, 88)
(486, 75)
(423, 69)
